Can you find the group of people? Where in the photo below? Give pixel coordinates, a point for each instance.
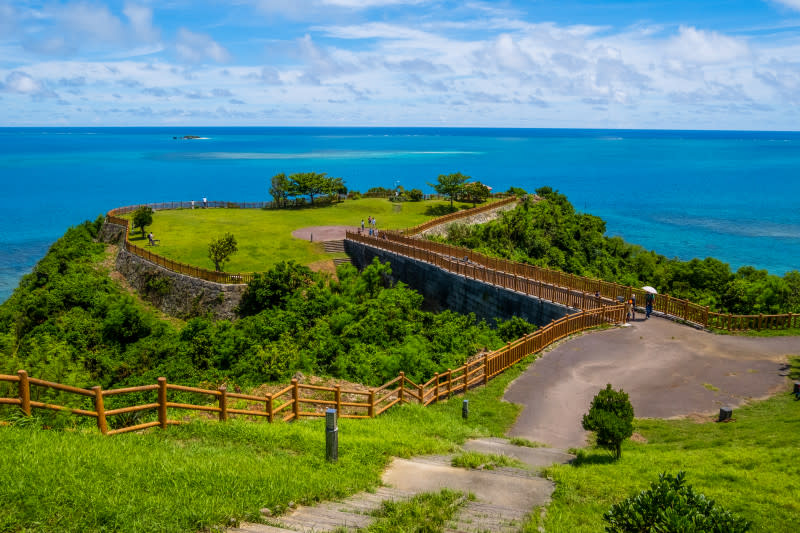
(648, 305)
(373, 226)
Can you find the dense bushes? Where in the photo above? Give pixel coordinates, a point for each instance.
(550, 233)
(68, 322)
(672, 505)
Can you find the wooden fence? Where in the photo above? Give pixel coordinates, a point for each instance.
(459, 214)
(471, 263)
(292, 402)
(113, 217)
(488, 273)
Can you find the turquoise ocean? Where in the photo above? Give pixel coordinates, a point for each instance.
(730, 195)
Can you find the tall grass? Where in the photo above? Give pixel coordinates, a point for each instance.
(204, 474)
(748, 466)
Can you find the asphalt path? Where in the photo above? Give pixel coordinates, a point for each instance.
(668, 369)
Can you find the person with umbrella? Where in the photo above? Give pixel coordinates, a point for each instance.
(649, 299)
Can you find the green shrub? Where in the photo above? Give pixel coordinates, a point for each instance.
(611, 417)
(672, 505)
(415, 195)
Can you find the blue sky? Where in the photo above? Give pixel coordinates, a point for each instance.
(562, 64)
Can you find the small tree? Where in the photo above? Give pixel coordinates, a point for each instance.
(476, 192)
(450, 185)
(672, 505)
(220, 250)
(611, 417)
(142, 217)
(280, 189)
(415, 195)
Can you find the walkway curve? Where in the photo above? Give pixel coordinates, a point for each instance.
(668, 370)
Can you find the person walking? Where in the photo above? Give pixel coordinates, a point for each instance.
(648, 300)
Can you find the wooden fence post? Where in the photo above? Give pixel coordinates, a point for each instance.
(372, 403)
(296, 399)
(269, 408)
(223, 403)
(162, 402)
(338, 399)
(486, 369)
(436, 386)
(449, 383)
(421, 392)
(100, 409)
(401, 394)
(24, 392)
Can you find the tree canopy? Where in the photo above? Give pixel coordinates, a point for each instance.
(280, 189)
(221, 249)
(611, 417)
(143, 216)
(450, 185)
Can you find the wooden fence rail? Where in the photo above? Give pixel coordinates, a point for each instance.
(291, 402)
(549, 283)
(114, 217)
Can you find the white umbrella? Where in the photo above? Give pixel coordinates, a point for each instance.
(648, 288)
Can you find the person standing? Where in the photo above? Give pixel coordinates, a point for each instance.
(648, 300)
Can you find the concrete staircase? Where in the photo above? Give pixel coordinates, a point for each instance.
(503, 497)
(336, 247)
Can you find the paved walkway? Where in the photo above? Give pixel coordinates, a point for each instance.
(503, 496)
(323, 233)
(667, 369)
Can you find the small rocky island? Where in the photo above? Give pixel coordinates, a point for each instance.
(189, 137)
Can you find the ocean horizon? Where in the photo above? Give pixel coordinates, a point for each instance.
(733, 195)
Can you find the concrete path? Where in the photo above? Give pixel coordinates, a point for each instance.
(323, 233)
(667, 369)
(503, 496)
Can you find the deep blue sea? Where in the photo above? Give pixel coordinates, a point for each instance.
(730, 195)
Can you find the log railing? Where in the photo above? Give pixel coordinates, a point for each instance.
(297, 399)
(558, 282)
(113, 217)
(459, 214)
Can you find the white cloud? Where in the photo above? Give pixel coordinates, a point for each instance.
(793, 4)
(22, 83)
(141, 21)
(197, 48)
(706, 47)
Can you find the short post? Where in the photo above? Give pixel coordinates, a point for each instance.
(162, 403)
(796, 390)
(449, 383)
(24, 392)
(401, 394)
(465, 409)
(311, 237)
(269, 408)
(371, 403)
(338, 398)
(486, 369)
(436, 386)
(725, 414)
(100, 409)
(296, 399)
(331, 436)
(421, 393)
(223, 403)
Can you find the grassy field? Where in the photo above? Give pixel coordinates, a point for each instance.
(205, 474)
(264, 236)
(748, 466)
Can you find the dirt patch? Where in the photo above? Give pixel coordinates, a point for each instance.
(323, 233)
(325, 266)
(638, 437)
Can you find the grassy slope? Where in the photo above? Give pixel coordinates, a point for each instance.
(202, 474)
(749, 466)
(264, 236)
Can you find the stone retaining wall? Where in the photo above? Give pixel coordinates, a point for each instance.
(173, 293)
(480, 218)
(445, 290)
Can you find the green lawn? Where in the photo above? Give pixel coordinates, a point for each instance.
(201, 475)
(264, 236)
(748, 466)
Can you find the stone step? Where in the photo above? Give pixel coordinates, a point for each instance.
(333, 246)
(342, 260)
